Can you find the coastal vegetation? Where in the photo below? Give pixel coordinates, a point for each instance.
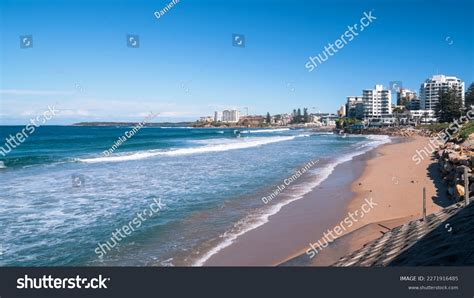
(300, 118)
(345, 122)
(466, 130)
(463, 133)
(449, 107)
(469, 98)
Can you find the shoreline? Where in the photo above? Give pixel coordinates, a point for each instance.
(403, 177)
(318, 200)
(395, 183)
(287, 234)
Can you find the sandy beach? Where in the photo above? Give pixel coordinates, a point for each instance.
(396, 182)
(387, 175)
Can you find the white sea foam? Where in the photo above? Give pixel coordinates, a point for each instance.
(214, 146)
(2, 165)
(265, 130)
(323, 133)
(262, 216)
(167, 263)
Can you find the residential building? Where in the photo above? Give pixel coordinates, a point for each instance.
(341, 112)
(405, 96)
(414, 104)
(230, 116)
(206, 119)
(377, 102)
(217, 116)
(283, 119)
(286, 119)
(423, 116)
(251, 120)
(326, 119)
(328, 122)
(355, 107)
(432, 88)
(314, 118)
(382, 121)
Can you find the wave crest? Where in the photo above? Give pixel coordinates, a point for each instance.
(266, 130)
(242, 143)
(262, 216)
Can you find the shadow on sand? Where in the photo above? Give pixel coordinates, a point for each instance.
(441, 197)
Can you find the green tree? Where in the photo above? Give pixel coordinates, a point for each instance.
(343, 123)
(268, 119)
(449, 106)
(469, 99)
(305, 115)
(398, 110)
(295, 117)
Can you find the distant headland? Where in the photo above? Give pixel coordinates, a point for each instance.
(151, 124)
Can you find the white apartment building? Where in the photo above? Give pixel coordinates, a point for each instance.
(283, 119)
(431, 90)
(377, 102)
(217, 116)
(206, 119)
(230, 116)
(424, 116)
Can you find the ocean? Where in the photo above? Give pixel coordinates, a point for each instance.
(61, 196)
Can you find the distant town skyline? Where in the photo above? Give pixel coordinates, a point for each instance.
(187, 64)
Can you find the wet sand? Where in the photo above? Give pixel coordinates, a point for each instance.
(289, 230)
(386, 174)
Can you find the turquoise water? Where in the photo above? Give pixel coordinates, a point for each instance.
(61, 196)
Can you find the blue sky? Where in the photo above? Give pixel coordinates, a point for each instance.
(186, 66)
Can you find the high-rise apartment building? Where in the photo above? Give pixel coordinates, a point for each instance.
(217, 116)
(432, 88)
(230, 116)
(355, 107)
(377, 102)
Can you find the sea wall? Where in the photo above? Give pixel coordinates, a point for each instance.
(453, 158)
